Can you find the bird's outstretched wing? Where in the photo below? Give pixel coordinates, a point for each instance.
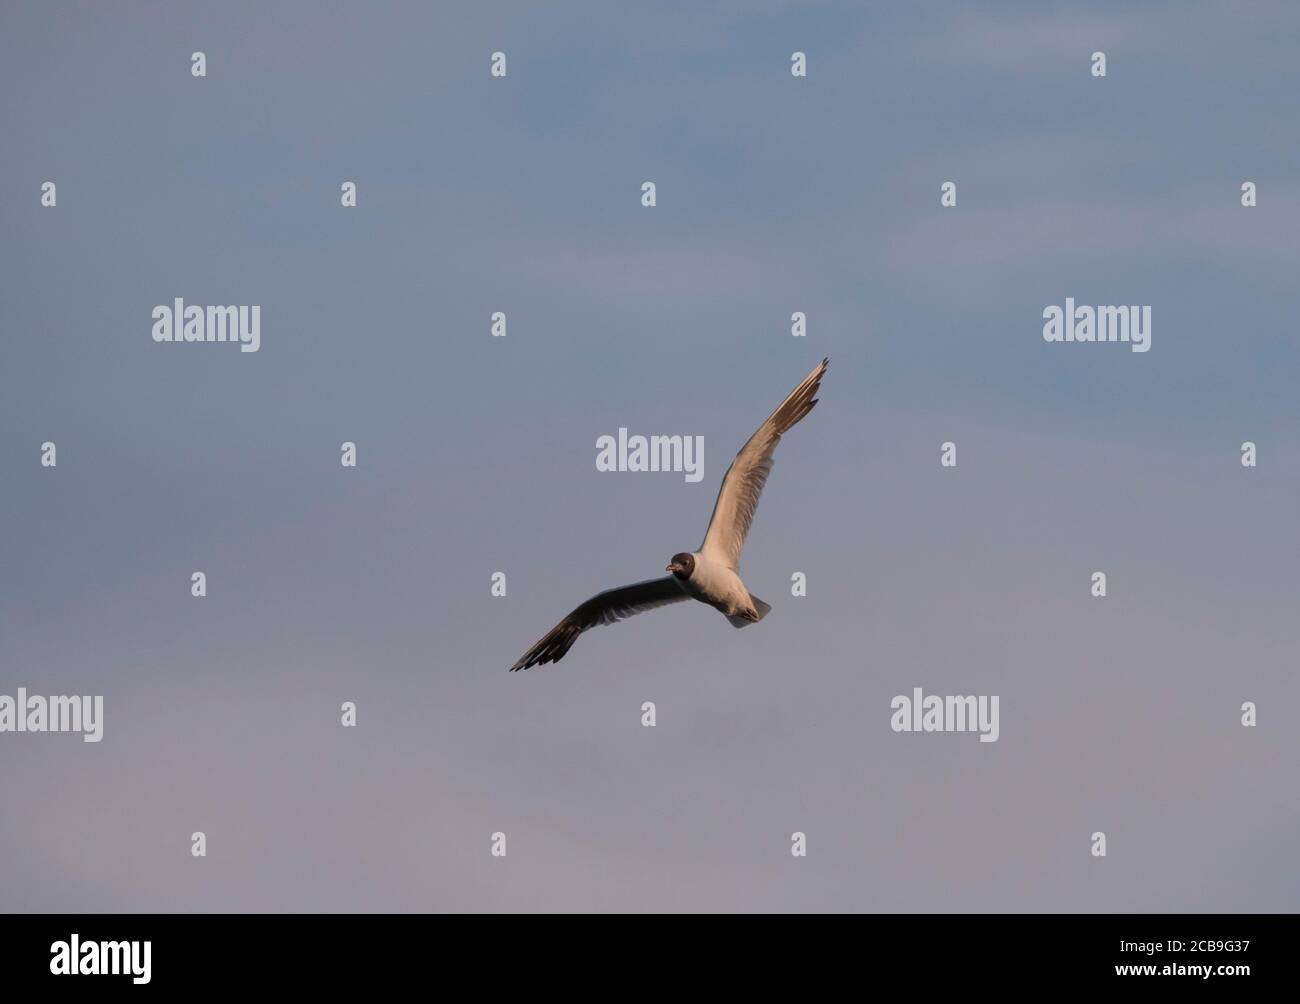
(745, 478)
(603, 608)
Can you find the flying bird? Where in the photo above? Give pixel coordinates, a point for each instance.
(711, 574)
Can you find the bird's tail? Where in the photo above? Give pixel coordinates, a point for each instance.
(759, 606)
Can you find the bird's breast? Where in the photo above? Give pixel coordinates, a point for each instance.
(715, 583)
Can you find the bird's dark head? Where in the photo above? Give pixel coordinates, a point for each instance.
(682, 565)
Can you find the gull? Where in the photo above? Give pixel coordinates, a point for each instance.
(711, 574)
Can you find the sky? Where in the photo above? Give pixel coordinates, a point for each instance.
(476, 454)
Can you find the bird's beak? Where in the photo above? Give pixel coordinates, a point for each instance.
(672, 567)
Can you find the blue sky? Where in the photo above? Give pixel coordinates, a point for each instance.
(477, 454)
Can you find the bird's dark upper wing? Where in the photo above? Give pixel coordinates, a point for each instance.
(743, 483)
(603, 608)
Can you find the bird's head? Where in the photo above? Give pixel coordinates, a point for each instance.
(682, 565)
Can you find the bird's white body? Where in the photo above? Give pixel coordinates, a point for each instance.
(720, 587)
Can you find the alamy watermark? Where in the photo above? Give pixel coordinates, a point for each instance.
(75, 957)
(181, 323)
(37, 713)
(652, 453)
(1098, 324)
(932, 713)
